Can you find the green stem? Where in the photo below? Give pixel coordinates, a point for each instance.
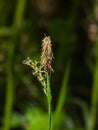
(9, 102)
(94, 100)
(62, 98)
(11, 48)
(49, 98)
(17, 22)
(9, 89)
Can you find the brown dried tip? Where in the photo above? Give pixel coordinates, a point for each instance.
(47, 55)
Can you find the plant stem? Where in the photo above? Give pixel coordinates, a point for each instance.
(18, 17)
(11, 49)
(62, 98)
(10, 88)
(94, 100)
(94, 95)
(49, 99)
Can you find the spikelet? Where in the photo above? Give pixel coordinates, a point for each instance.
(46, 55)
(36, 72)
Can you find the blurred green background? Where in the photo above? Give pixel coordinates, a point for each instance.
(72, 26)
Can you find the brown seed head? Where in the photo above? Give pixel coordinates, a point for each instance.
(47, 55)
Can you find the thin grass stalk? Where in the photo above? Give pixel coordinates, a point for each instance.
(49, 99)
(9, 89)
(94, 95)
(62, 97)
(9, 101)
(94, 101)
(17, 22)
(10, 79)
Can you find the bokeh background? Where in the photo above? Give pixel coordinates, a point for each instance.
(72, 26)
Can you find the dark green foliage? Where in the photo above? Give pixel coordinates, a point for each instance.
(74, 82)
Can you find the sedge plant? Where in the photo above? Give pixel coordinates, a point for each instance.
(42, 70)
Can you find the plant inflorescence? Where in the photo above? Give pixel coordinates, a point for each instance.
(42, 70)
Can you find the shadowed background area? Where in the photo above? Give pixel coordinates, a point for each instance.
(73, 28)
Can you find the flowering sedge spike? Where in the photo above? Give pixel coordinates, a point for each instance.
(47, 55)
(46, 60)
(36, 72)
(43, 70)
